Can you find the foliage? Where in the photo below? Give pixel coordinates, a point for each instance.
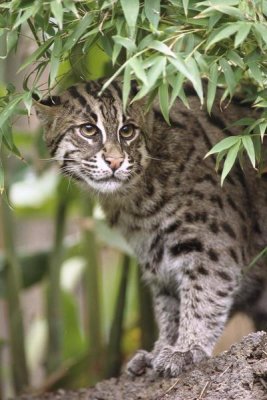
(161, 43)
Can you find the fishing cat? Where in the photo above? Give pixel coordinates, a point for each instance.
(191, 236)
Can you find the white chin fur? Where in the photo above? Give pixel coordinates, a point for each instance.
(104, 187)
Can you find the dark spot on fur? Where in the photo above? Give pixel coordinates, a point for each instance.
(189, 217)
(158, 255)
(198, 287)
(216, 199)
(220, 293)
(214, 227)
(199, 195)
(190, 274)
(257, 228)
(181, 168)
(207, 178)
(227, 229)
(223, 275)
(213, 255)
(233, 254)
(203, 271)
(114, 218)
(201, 216)
(186, 247)
(149, 189)
(173, 227)
(147, 266)
(155, 242)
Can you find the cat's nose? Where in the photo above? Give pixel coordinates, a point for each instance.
(114, 162)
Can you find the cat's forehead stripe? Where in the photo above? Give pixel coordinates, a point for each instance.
(77, 95)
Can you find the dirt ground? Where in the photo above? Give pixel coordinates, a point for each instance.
(237, 374)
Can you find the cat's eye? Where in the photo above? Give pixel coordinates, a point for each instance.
(127, 131)
(88, 130)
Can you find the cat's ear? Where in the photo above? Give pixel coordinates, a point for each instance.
(46, 109)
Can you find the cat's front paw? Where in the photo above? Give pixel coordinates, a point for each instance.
(139, 363)
(170, 362)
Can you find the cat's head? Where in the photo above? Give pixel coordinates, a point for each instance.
(91, 137)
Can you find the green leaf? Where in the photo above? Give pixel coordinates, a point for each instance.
(242, 33)
(11, 42)
(224, 145)
(126, 87)
(36, 54)
(125, 42)
(27, 99)
(9, 143)
(185, 5)
(219, 158)
(229, 75)
(219, 3)
(256, 72)
(130, 10)
(80, 28)
(55, 60)
(69, 4)
(177, 84)
(243, 121)
(212, 86)
(162, 48)
(235, 58)
(224, 9)
(138, 69)
(230, 160)
(248, 144)
(156, 70)
(116, 52)
(262, 128)
(2, 179)
(22, 18)
(190, 71)
(222, 33)
(3, 21)
(152, 12)
(262, 30)
(164, 100)
(57, 11)
(9, 109)
(197, 83)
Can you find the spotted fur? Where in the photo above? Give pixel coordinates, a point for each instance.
(191, 236)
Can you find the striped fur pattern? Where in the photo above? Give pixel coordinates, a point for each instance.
(191, 237)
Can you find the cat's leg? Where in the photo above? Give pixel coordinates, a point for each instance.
(205, 301)
(166, 309)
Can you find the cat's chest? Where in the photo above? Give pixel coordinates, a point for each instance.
(149, 244)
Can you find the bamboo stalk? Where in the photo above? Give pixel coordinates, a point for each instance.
(54, 306)
(147, 321)
(92, 295)
(13, 287)
(1, 372)
(113, 360)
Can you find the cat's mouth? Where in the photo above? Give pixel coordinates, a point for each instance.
(107, 184)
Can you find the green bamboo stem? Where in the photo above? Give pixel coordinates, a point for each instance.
(113, 360)
(13, 287)
(92, 293)
(1, 373)
(147, 321)
(54, 306)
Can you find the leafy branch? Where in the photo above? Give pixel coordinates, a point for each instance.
(160, 43)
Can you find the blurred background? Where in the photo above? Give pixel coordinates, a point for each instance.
(72, 305)
(70, 309)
